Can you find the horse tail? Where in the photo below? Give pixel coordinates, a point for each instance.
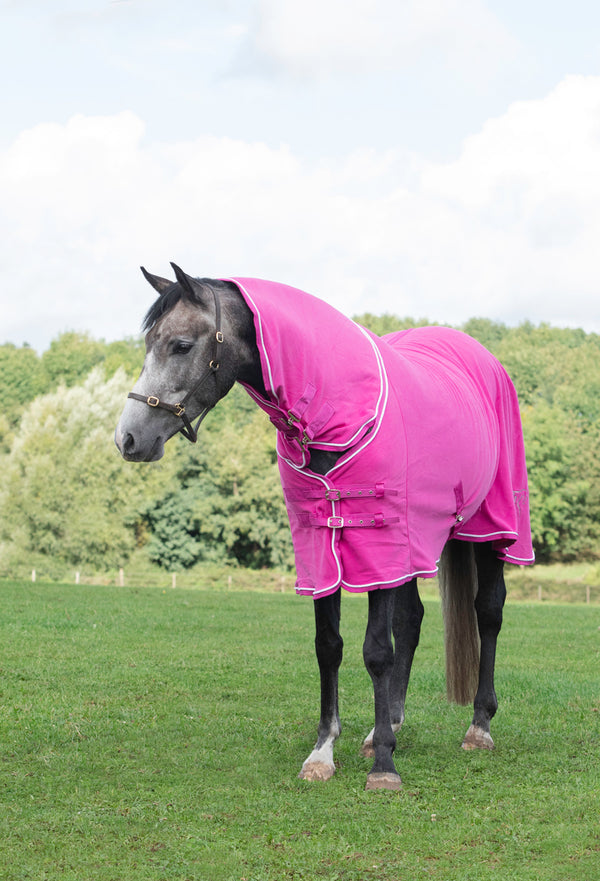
(458, 588)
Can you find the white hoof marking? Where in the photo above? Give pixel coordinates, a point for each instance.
(319, 765)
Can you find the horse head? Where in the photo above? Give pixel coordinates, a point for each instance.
(192, 361)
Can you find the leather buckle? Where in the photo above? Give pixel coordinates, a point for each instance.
(333, 495)
(152, 401)
(335, 522)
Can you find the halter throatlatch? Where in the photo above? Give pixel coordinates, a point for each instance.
(188, 430)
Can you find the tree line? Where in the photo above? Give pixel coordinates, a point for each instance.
(68, 500)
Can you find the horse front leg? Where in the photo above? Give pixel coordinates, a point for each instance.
(378, 653)
(329, 647)
(489, 602)
(406, 627)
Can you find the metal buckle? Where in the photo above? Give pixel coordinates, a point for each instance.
(179, 410)
(219, 336)
(335, 522)
(213, 366)
(333, 495)
(152, 401)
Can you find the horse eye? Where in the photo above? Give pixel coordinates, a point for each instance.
(181, 347)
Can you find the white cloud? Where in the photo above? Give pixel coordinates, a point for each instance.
(313, 38)
(528, 186)
(509, 230)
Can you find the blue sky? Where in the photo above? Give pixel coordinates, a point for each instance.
(432, 158)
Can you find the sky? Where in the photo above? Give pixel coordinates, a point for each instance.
(435, 159)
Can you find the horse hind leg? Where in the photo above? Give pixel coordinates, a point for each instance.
(489, 604)
(329, 647)
(406, 627)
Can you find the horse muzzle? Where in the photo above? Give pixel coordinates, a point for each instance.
(135, 447)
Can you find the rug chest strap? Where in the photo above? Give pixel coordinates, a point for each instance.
(338, 494)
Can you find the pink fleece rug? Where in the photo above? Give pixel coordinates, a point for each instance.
(430, 423)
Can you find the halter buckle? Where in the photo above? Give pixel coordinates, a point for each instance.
(178, 410)
(219, 336)
(152, 401)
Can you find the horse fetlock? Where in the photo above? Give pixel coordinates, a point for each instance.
(328, 732)
(367, 749)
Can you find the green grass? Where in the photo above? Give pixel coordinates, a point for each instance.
(157, 734)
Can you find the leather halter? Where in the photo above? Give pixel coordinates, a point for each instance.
(188, 430)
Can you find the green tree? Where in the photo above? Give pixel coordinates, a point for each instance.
(559, 492)
(22, 378)
(65, 493)
(228, 505)
(489, 333)
(387, 323)
(128, 354)
(70, 358)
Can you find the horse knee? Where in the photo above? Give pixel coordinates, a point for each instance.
(378, 657)
(328, 641)
(489, 611)
(329, 649)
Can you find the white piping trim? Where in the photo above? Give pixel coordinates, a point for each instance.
(383, 386)
(486, 535)
(518, 560)
(263, 349)
(421, 573)
(359, 588)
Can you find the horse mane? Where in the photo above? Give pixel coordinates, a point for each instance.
(163, 304)
(167, 300)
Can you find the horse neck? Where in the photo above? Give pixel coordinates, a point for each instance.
(249, 370)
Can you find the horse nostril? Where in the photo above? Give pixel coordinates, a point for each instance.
(128, 443)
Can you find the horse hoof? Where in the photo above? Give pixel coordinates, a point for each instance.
(385, 780)
(477, 738)
(316, 771)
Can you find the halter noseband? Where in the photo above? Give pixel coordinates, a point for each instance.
(188, 430)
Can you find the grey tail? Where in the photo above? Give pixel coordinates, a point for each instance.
(458, 589)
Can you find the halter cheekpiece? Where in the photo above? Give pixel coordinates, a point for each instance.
(188, 430)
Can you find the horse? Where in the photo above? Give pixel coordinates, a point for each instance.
(401, 457)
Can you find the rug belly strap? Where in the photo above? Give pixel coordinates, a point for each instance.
(354, 521)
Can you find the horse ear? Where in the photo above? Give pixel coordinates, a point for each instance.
(184, 280)
(159, 284)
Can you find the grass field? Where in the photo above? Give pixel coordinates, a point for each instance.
(157, 734)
